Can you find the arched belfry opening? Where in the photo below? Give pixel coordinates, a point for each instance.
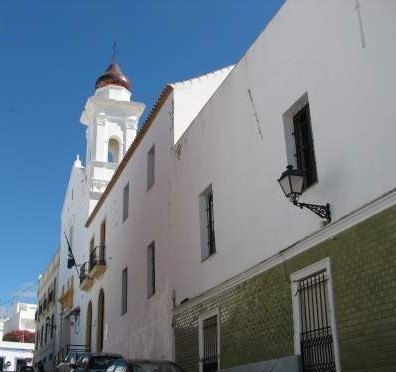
(113, 154)
(88, 332)
(100, 322)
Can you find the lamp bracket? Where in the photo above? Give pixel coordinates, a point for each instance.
(322, 211)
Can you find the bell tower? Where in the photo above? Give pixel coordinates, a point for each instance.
(112, 122)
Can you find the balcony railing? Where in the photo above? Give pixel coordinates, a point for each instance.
(97, 257)
(85, 280)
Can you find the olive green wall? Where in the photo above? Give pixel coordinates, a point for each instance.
(256, 315)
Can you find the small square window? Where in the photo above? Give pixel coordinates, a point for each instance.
(151, 167)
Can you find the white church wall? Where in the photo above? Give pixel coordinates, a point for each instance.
(191, 96)
(145, 329)
(322, 57)
(74, 214)
(236, 144)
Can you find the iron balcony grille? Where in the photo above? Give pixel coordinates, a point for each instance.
(97, 257)
(210, 354)
(316, 340)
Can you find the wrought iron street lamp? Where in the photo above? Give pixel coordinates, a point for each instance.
(291, 182)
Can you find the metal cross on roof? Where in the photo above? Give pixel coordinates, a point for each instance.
(115, 52)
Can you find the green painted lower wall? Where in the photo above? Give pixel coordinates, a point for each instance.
(256, 317)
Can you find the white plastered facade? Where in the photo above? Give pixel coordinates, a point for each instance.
(232, 137)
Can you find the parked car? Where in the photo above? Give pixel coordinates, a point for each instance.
(94, 362)
(71, 358)
(26, 369)
(143, 365)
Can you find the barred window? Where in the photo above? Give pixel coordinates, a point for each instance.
(151, 269)
(125, 203)
(124, 291)
(209, 353)
(151, 167)
(208, 242)
(314, 323)
(305, 154)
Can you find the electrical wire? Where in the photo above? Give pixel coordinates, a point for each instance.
(19, 294)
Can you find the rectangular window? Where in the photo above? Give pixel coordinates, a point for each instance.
(125, 203)
(103, 233)
(52, 325)
(305, 154)
(102, 253)
(314, 321)
(299, 140)
(209, 343)
(92, 253)
(151, 269)
(124, 291)
(151, 167)
(208, 243)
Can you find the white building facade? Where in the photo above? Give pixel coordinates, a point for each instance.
(14, 355)
(191, 250)
(44, 351)
(22, 318)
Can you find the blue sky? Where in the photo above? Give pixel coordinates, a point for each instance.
(51, 53)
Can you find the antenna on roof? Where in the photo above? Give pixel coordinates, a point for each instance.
(115, 52)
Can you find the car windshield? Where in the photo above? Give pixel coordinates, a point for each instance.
(101, 362)
(154, 367)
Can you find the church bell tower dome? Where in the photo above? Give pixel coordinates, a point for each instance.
(113, 76)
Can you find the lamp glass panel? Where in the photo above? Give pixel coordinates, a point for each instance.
(296, 183)
(285, 184)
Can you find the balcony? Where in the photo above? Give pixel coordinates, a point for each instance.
(86, 281)
(97, 262)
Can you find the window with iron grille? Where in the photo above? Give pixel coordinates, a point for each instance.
(208, 242)
(314, 324)
(46, 333)
(125, 203)
(209, 344)
(151, 269)
(52, 325)
(124, 291)
(151, 167)
(305, 154)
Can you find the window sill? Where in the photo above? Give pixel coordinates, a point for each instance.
(207, 258)
(310, 187)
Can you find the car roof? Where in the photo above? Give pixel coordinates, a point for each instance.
(159, 361)
(105, 354)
